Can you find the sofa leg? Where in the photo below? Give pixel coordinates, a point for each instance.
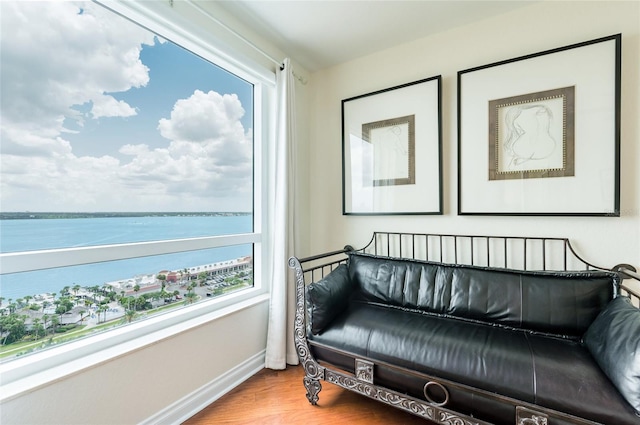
(313, 387)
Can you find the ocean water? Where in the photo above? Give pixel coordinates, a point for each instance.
(36, 234)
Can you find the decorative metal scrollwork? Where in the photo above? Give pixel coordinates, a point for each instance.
(533, 420)
(526, 416)
(364, 371)
(401, 401)
(313, 371)
(451, 419)
(313, 387)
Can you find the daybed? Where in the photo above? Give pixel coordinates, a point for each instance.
(472, 343)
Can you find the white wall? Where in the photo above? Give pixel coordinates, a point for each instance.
(602, 240)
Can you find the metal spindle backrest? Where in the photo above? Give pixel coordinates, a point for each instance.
(515, 252)
(511, 252)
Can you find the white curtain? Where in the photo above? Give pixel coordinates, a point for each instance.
(280, 347)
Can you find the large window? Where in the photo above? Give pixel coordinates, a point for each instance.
(128, 175)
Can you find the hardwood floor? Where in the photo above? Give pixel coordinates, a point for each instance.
(278, 397)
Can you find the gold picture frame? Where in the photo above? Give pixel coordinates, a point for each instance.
(532, 135)
(393, 150)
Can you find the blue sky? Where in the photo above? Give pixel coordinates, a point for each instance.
(174, 73)
(99, 114)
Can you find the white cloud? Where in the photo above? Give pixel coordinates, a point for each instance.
(84, 57)
(25, 142)
(107, 106)
(204, 116)
(209, 155)
(60, 58)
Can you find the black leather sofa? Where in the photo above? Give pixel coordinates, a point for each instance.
(461, 344)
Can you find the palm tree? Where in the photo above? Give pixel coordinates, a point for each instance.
(202, 277)
(96, 290)
(45, 318)
(54, 323)
(187, 273)
(163, 294)
(37, 327)
(82, 315)
(76, 289)
(130, 315)
(12, 327)
(102, 309)
(58, 309)
(128, 300)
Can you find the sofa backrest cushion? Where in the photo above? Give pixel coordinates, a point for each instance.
(613, 339)
(327, 298)
(562, 303)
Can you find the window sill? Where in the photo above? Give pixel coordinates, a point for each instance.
(36, 370)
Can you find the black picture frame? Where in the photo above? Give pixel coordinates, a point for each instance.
(570, 95)
(392, 150)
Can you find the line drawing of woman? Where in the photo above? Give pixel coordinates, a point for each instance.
(528, 135)
(391, 155)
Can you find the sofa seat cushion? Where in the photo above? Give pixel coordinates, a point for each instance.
(568, 379)
(547, 371)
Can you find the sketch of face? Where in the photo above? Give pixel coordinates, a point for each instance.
(529, 135)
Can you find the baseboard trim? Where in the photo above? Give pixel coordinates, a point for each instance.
(191, 404)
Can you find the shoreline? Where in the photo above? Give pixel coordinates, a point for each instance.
(27, 215)
(44, 234)
(146, 282)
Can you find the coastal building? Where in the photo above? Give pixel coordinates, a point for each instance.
(172, 277)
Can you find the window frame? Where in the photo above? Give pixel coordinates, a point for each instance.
(40, 368)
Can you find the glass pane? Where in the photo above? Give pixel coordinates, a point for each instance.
(42, 308)
(132, 136)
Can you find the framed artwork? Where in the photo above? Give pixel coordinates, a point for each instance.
(392, 150)
(540, 134)
(531, 136)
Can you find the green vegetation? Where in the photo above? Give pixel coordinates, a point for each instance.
(25, 327)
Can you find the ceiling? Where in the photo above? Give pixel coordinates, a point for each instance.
(321, 33)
